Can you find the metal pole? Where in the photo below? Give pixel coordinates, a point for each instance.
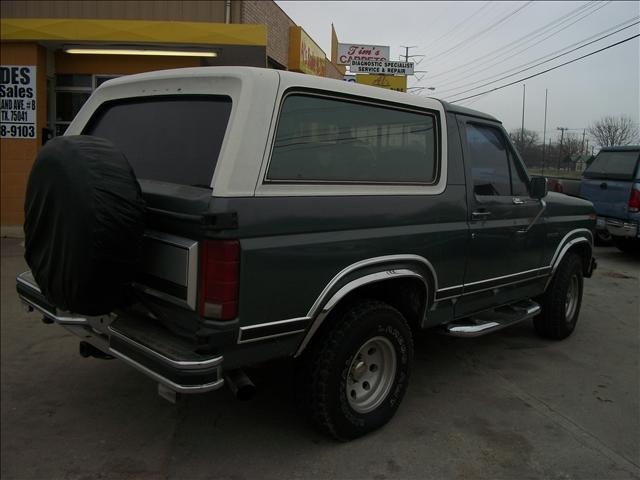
(562, 129)
(544, 130)
(524, 87)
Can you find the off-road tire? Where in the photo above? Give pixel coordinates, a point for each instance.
(552, 322)
(324, 368)
(602, 238)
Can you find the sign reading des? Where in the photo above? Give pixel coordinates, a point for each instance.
(304, 55)
(18, 101)
(390, 82)
(348, 52)
(380, 67)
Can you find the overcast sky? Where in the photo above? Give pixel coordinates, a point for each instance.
(606, 83)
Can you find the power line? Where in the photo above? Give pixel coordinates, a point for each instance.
(552, 53)
(482, 32)
(549, 69)
(559, 22)
(540, 63)
(526, 46)
(449, 32)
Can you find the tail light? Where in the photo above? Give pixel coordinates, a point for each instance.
(559, 188)
(634, 199)
(219, 279)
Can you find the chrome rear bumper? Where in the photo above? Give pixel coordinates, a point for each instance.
(620, 228)
(141, 343)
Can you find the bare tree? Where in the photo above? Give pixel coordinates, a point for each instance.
(612, 131)
(528, 145)
(526, 141)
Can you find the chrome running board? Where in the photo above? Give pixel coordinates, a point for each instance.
(492, 320)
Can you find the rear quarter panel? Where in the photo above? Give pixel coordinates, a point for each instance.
(566, 218)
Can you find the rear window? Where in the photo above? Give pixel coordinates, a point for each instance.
(614, 165)
(170, 139)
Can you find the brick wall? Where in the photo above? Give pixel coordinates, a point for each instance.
(178, 10)
(17, 155)
(277, 22)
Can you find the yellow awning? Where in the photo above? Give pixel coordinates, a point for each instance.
(138, 31)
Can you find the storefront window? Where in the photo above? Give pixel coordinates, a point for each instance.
(71, 93)
(74, 81)
(68, 104)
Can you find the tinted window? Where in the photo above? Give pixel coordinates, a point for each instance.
(173, 140)
(321, 139)
(519, 179)
(620, 165)
(489, 166)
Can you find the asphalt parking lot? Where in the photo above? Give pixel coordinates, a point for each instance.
(508, 405)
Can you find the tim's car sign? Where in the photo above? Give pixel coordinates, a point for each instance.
(347, 52)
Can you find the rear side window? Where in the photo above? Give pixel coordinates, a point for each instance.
(327, 140)
(170, 139)
(619, 165)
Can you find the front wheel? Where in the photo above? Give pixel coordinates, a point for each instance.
(562, 300)
(356, 373)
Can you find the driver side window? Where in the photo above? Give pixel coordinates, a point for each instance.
(494, 167)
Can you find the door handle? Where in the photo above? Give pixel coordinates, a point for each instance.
(543, 207)
(480, 215)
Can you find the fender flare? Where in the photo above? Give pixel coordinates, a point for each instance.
(566, 244)
(366, 272)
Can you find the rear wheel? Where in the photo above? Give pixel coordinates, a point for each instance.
(562, 300)
(602, 238)
(354, 376)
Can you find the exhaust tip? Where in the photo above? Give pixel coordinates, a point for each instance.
(241, 386)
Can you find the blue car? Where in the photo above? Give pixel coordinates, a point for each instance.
(612, 183)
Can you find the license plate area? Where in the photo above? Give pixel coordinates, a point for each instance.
(169, 268)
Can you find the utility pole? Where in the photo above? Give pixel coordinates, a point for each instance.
(406, 53)
(406, 59)
(524, 88)
(584, 132)
(544, 130)
(562, 129)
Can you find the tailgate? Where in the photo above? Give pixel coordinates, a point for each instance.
(610, 197)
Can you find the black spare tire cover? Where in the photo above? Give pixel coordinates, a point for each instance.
(84, 221)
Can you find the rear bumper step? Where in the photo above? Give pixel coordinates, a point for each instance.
(493, 320)
(138, 341)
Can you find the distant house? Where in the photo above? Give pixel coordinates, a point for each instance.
(579, 161)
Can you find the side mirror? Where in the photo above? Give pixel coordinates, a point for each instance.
(538, 187)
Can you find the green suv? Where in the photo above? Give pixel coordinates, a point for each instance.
(194, 222)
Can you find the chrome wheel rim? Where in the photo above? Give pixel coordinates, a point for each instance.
(571, 300)
(371, 374)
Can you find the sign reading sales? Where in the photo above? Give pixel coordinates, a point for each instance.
(18, 101)
(379, 67)
(348, 52)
